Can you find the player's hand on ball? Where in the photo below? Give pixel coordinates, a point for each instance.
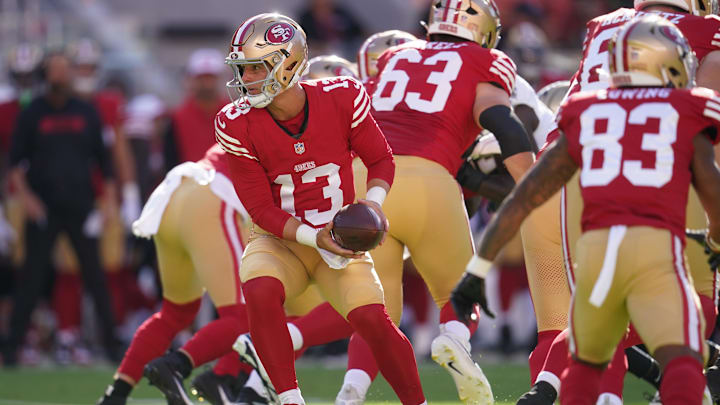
(326, 241)
(469, 292)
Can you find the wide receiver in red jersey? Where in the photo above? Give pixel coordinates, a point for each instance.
(431, 100)
(647, 118)
(290, 162)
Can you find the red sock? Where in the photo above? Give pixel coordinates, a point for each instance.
(67, 300)
(230, 364)
(116, 285)
(632, 338)
(360, 356)
(264, 298)
(614, 375)
(447, 314)
(154, 336)
(558, 355)
(683, 382)
(540, 353)
(710, 312)
(392, 351)
(322, 325)
(580, 384)
(217, 337)
(416, 296)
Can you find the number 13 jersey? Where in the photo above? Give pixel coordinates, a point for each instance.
(635, 149)
(277, 176)
(425, 93)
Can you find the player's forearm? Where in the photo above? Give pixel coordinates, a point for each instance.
(706, 179)
(519, 164)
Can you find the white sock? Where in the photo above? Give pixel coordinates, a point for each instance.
(458, 330)
(256, 383)
(358, 379)
(549, 378)
(607, 398)
(292, 396)
(295, 336)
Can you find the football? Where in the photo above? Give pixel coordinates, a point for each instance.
(358, 227)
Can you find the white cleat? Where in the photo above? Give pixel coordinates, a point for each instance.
(245, 348)
(348, 395)
(472, 385)
(707, 397)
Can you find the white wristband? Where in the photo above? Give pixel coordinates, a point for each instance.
(376, 194)
(478, 266)
(306, 235)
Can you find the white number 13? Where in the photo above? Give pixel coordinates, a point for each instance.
(608, 142)
(331, 191)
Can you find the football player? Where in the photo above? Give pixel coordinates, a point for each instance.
(372, 48)
(692, 17)
(629, 207)
(326, 66)
(289, 155)
(430, 99)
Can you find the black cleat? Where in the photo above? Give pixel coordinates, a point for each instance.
(542, 393)
(712, 374)
(248, 396)
(217, 389)
(163, 374)
(111, 400)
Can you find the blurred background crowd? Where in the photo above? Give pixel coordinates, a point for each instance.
(154, 73)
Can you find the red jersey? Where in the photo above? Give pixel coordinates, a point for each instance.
(110, 105)
(702, 33)
(425, 92)
(634, 147)
(192, 128)
(309, 177)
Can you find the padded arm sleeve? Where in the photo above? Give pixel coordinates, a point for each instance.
(507, 128)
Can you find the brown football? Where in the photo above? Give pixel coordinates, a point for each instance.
(358, 227)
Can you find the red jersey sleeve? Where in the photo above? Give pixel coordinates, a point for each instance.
(710, 107)
(703, 34)
(566, 120)
(246, 173)
(366, 138)
(499, 69)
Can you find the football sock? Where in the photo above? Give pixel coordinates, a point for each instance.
(291, 397)
(360, 357)
(255, 382)
(217, 337)
(614, 375)
(556, 360)
(154, 336)
(710, 310)
(67, 300)
(580, 384)
(643, 366)
(264, 298)
(683, 383)
(320, 326)
(447, 314)
(119, 388)
(230, 364)
(457, 329)
(358, 379)
(392, 351)
(539, 354)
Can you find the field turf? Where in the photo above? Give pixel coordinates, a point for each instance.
(75, 386)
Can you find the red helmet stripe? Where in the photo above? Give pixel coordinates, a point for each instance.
(240, 33)
(457, 11)
(625, 51)
(447, 9)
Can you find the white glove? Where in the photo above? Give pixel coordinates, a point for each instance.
(487, 145)
(130, 209)
(7, 234)
(333, 260)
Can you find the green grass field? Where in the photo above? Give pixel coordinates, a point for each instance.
(76, 386)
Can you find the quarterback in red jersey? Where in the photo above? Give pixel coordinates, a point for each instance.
(638, 146)
(290, 162)
(431, 99)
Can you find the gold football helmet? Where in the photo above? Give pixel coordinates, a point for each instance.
(553, 94)
(474, 20)
(374, 46)
(273, 41)
(322, 67)
(651, 51)
(697, 7)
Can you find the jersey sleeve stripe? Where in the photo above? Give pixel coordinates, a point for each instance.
(713, 105)
(359, 97)
(228, 148)
(362, 117)
(360, 109)
(712, 114)
(509, 73)
(225, 136)
(229, 145)
(715, 43)
(502, 76)
(508, 63)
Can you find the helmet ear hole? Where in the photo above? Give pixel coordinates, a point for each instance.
(674, 72)
(471, 11)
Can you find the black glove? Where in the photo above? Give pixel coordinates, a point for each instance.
(700, 236)
(470, 177)
(466, 294)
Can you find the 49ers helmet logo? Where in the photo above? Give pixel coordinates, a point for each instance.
(279, 33)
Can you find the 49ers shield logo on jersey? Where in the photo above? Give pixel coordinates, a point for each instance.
(300, 148)
(279, 33)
